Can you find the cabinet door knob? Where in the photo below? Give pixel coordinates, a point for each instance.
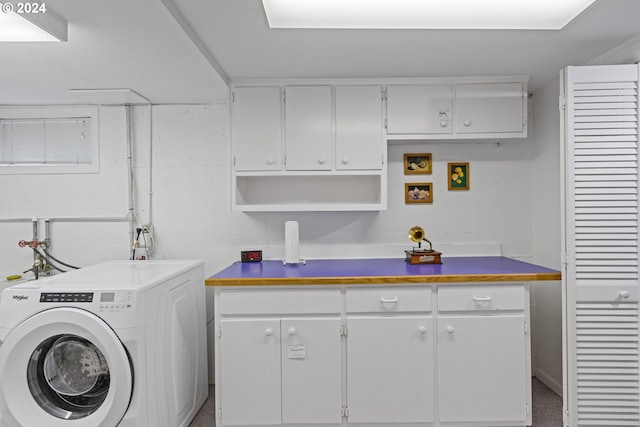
(422, 329)
(322, 160)
(450, 329)
(624, 294)
(443, 123)
(292, 331)
(270, 161)
(268, 332)
(467, 122)
(345, 160)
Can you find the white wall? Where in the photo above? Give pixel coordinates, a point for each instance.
(61, 197)
(182, 183)
(547, 296)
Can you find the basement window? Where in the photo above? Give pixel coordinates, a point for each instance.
(41, 141)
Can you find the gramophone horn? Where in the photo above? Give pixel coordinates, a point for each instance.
(416, 233)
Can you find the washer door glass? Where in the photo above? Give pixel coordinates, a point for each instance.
(68, 376)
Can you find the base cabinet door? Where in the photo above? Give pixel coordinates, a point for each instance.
(311, 371)
(482, 368)
(250, 372)
(390, 369)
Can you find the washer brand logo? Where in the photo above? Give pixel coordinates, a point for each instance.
(20, 297)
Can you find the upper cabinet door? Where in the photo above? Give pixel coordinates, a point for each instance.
(489, 108)
(359, 127)
(308, 128)
(419, 109)
(256, 128)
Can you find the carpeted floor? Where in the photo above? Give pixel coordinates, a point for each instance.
(547, 408)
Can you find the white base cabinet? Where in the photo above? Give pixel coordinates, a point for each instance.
(438, 355)
(480, 364)
(250, 372)
(390, 369)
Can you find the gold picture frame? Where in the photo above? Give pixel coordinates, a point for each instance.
(417, 163)
(418, 192)
(458, 176)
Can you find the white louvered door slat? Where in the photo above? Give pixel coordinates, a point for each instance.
(601, 213)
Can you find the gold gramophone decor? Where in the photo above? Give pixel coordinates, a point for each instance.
(420, 255)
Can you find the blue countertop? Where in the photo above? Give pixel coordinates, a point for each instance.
(383, 270)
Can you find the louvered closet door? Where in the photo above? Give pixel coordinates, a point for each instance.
(601, 244)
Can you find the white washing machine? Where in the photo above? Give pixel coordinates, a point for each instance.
(121, 343)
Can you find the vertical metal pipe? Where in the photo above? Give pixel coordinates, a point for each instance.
(131, 212)
(47, 235)
(34, 239)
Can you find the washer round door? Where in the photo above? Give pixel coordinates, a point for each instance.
(64, 364)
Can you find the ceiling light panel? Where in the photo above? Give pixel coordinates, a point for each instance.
(424, 14)
(45, 25)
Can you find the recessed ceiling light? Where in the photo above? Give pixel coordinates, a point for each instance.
(45, 25)
(424, 14)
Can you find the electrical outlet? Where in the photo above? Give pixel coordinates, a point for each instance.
(147, 229)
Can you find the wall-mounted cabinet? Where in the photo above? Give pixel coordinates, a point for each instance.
(308, 128)
(461, 111)
(419, 109)
(490, 108)
(322, 147)
(299, 148)
(256, 129)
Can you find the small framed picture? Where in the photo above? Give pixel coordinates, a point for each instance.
(418, 192)
(417, 163)
(458, 176)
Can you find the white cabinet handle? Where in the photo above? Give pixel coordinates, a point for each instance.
(270, 161)
(467, 122)
(268, 332)
(389, 300)
(482, 299)
(292, 331)
(422, 329)
(345, 160)
(322, 160)
(450, 329)
(624, 294)
(443, 124)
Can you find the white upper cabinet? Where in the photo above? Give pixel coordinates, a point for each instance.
(256, 128)
(359, 141)
(489, 108)
(472, 109)
(419, 109)
(308, 128)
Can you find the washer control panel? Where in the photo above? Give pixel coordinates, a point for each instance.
(76, 297)
(115, 301)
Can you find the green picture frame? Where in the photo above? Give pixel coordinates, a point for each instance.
(458, 176)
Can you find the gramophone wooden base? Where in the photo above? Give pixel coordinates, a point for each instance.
(423, 257)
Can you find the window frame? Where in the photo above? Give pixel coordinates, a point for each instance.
(44, 113)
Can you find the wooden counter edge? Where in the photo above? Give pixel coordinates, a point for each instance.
(366, 280)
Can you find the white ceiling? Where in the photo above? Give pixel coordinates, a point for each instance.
(169, 50)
